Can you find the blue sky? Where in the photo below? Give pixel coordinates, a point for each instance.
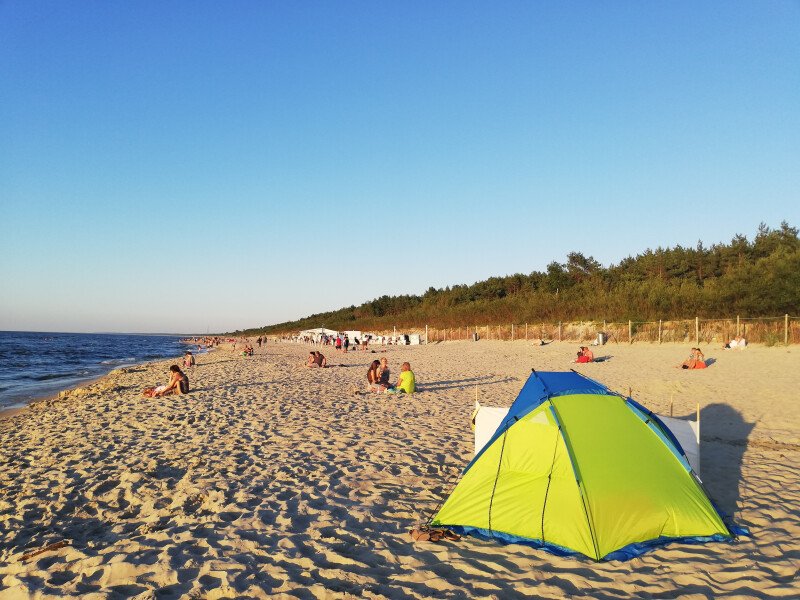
(185, 166)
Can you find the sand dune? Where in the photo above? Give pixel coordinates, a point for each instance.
(274, 480)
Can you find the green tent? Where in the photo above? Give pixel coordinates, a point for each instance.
(575, 468)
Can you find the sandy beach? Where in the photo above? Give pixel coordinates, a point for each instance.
(271, 480)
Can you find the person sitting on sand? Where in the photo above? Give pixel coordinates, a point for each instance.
(373, 377)
(178, 384)
(584, 355)
(188, 360)
(383, 373)
(316, 360)
(696, 360)
(406, 382)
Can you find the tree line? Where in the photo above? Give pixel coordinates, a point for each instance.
(754, 278)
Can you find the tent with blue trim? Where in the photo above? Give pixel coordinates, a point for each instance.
(577, 469)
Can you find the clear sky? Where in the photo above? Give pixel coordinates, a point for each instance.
(184, 166)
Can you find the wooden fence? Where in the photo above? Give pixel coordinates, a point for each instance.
(761, 330)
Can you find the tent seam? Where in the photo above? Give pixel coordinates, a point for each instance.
(549, 479)
(497, 475)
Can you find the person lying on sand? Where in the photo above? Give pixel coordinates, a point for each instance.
(178, 384)
(737, 342)
(696, 360)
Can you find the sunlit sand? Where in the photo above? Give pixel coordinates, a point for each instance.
(271, 479)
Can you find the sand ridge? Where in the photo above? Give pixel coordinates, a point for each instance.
(274, 480)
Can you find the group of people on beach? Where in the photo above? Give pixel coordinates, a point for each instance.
(378, 378)
(378, 374)
(584, 355)
(316, 360)
(696, 360)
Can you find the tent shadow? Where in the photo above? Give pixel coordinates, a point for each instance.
(724, 434)
(460, 383)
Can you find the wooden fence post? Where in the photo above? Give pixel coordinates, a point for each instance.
(659, 332)
(630, 331)
(786, 330)
(697, 330)
(526, 332)
(426, 334)
(737, 325)
(559, 331)
(512, 332)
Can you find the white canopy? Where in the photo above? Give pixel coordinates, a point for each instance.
(318, 331)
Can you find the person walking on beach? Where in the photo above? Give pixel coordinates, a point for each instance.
(346, 343)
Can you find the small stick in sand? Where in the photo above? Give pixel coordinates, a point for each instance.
(44, 549)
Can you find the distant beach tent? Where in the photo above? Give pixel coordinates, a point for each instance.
(575, 468)
(319, 331)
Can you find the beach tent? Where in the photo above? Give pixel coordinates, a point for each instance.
(576, 468)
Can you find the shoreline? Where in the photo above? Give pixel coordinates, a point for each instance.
(15, 409)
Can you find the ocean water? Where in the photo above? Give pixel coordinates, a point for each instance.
(37, 365)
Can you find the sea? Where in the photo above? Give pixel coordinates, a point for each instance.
(39, 365)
